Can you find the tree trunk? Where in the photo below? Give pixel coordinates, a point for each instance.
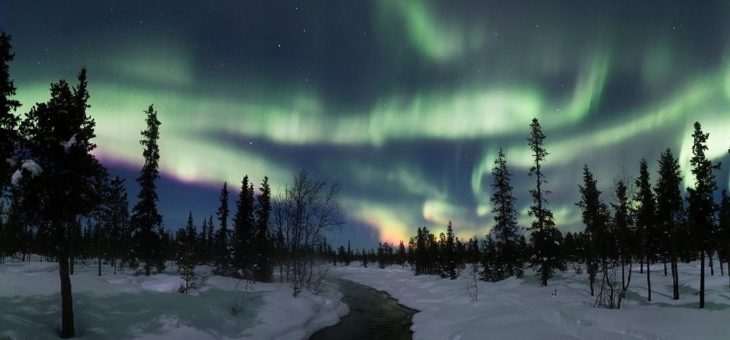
(722, 269)
(675, 280)
(623, 276)
(665, 267)
(712, 267)
(67, 308)
(99, 264)
(702, 278)
(624, 288)
(648, 279)
(641, 269)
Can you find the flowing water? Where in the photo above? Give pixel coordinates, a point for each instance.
(373, 315)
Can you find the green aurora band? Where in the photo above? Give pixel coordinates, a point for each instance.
(488, 79)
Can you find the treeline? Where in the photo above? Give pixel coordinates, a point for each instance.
(645, 224)
(58, 201)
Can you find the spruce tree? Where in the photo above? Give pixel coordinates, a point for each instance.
(222, 243)
(243, 231)
(670, 213)
(210, 240)
(186, 255)
(702, 206)
(622, 222)
(590, 205)
(449, 256)
(505, 231)
(146, 221)
(646, 220)
(8, 120)
(58, 186)
(263, 269)
(545, 235)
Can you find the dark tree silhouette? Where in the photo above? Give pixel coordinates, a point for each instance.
(646, 220)
(146, 221)
(262, 241)
(222, 242)
(702, 206)
(544, 236)
(622, 223)
(8, 120)
(244, 230)
(590, 205)
(670, 213)
(505, 232)
(59, 187)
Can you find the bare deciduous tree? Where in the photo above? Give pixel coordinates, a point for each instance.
(301, 214)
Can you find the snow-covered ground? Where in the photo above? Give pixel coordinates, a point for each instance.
(124, 306)
(521, 309)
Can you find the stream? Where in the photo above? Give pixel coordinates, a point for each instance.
(373, 315)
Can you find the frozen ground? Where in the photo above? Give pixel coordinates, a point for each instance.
(137, 307)
(520, 309)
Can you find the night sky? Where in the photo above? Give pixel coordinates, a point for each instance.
(405, 103)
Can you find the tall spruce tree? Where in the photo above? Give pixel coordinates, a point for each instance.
(59, 185)
(263, 269)
(545, 235)
(222, 242)
(670, 213)
(702, 206)
(622, 223)
(646, 220)
(449, 256)
(8, 120)
(244, 230)
(146, 221)
(590, 205)
(505, 232)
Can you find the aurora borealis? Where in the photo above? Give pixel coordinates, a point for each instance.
(405, 103)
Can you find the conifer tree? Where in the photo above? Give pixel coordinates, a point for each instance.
(349, 254)
(186, 256)
(624, 234)
(590, 206)
(222, 243)
(244, 231)
(8, 120)
(545, 235)
(58, 185)
(263, 246)
(646, 220)
(401, 253)
(449, 256)
(670, 213)
(210, 240)
(146, 221)
(490, 268)
(702, 206)
(505, 231)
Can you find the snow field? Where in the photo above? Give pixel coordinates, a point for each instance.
(521, 309)
(124, 306)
